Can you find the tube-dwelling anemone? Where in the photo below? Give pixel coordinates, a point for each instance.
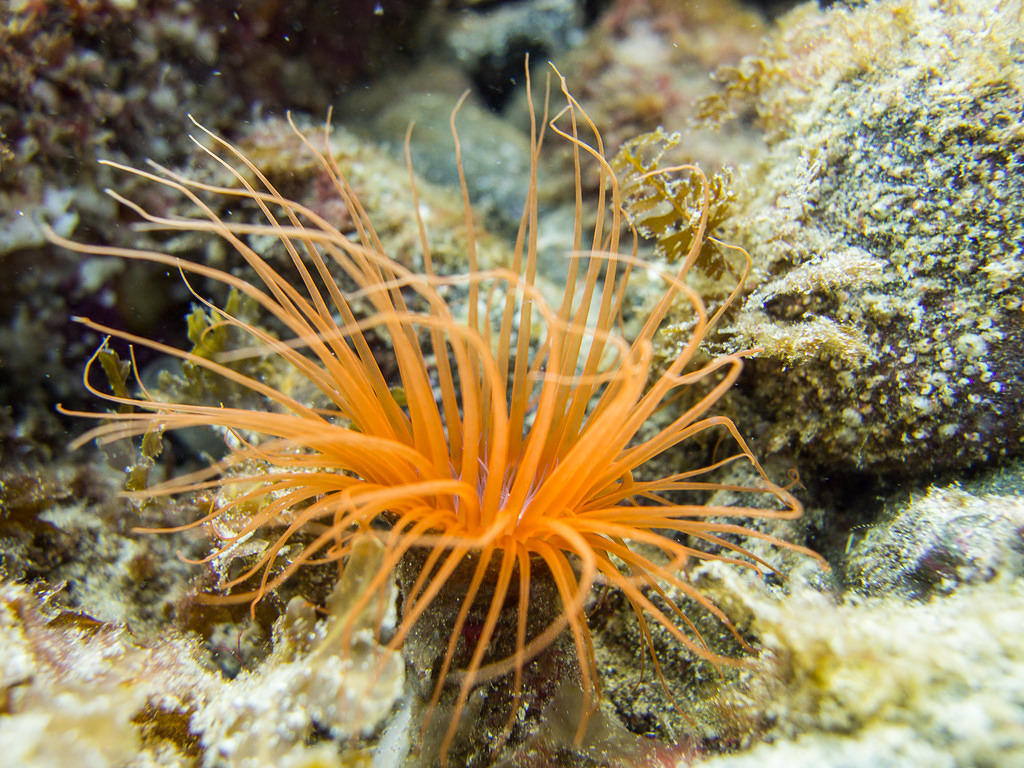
(491, 451)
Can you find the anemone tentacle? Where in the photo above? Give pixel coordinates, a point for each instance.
(509, 455)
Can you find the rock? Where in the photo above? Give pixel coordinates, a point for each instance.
(885, 223)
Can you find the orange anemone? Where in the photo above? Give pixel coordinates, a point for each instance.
(507, 449)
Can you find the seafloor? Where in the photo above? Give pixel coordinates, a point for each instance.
(868, 155)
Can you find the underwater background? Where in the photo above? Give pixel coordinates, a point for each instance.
(868, 155)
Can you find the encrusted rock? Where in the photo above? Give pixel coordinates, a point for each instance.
(885, 226)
